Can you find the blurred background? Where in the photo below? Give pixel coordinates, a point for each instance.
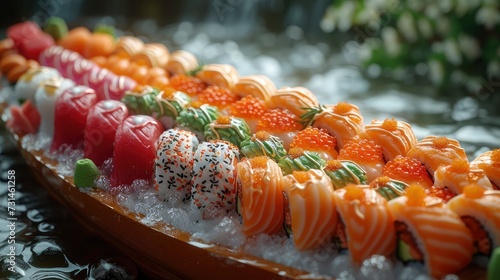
(434, 64)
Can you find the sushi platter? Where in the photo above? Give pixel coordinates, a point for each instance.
(235, 148)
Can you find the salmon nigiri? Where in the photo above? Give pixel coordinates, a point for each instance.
(430, 233)
(182, 62)
(366, 226)
(459, 174)
(222, 75)
(342, 120)
(395, 137)
(258, 86)
(260, 196)
(434, 151)
(309, 208)
(293, 99)
(489, 162)
(479, 209)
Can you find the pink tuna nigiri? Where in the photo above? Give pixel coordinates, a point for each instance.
(134, 150)
(72, 108)
(102, 122)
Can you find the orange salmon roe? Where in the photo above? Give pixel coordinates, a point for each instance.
(279, 120)
(389, 124)
(262, 135)
(187, 84)
(259, 162)
(416, 195)
(443, 193)
(361, 151)
(473, 191)
(333, 165)
(217, 96)
(301, 176)
(342, 108)
(248, 107)
(295, 152)
(315, 139)
(168, 92)
(440, 142)
(495, 156)
(459, 165)
(382, 180)
(353, 192)
(196, 104)
(223, 120)
(408, 170)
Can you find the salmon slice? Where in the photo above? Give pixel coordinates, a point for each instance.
(293, 99)
(258, 86)
(368, 223)
(489, 162)
(260, 196)
(437, 235)
(459, 174)
(310, 208)
(222, 75)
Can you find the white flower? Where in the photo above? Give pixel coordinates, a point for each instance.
(327, 24)
(406, 26)
(469, 46)
(436, 71)
(391, 41)
(452, 52)
(345, 14)
(425, 27)
(488, 16)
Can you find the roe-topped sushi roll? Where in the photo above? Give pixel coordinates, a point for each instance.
(366, 154)
(316, 140)
(260, 196)
(408, 170)
(219, 97)
(174, 165)
(250, 109)
(310, 217)
(429, 233)
(366, 226)
(342, 120)
(459, 174)
(281, 123)
(479, 209)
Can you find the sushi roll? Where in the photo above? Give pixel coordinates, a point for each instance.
(479, 209)
(281, 123)
(459, 174)
(128, 46)
(233, 130)
(134, 150)
(174, 165)
(45, 99)
(71, 111)
(365, 226)
(250, 109)
(342, 120)
(47, 57)
(196, 117)
(395, 137)
(366, 154)
(78, 69)
(141, 101)
(259, 198)
(95, 79)
(344, 172)
(293, 99)
(263, 144)
(310, 218)
(152, 55)
(408, 170)
(182, 62)
(316, 140)
(489, 162)
(221, 75)
(434, 151)
(214, 182)
(388, 188)
(429, 233)
(258, 86)
(171, 103)
(102, 122)
(219, 97)
(64, 60)
(299, 160)
(28, 83)
(187, 84)
(115, 87)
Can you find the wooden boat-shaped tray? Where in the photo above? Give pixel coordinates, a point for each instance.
(160, 253)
